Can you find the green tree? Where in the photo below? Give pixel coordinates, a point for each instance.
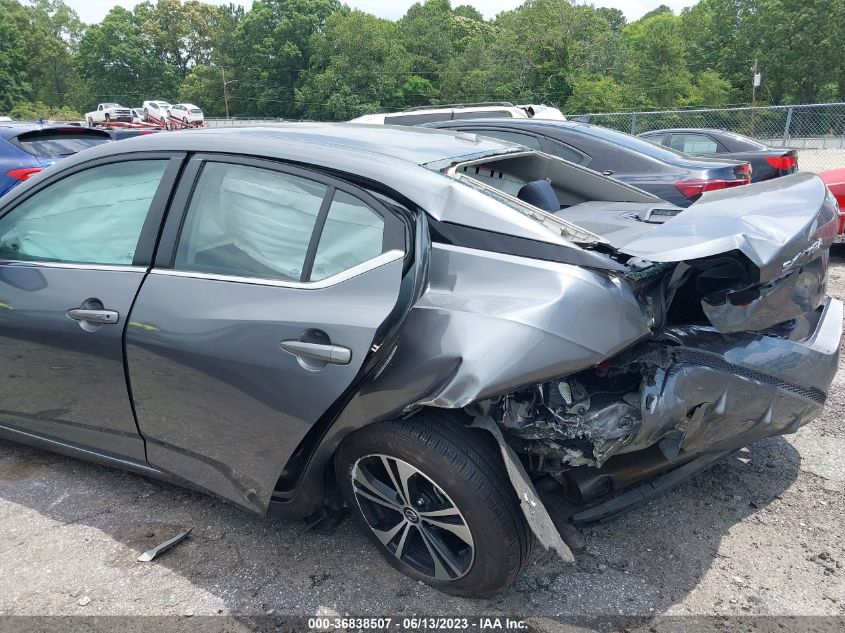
(54, 33)
(272, 52)
(182, 35)
(428, 34)
(710, 89)
(595, 94)
(120, 64)
(204, 86)
(656, 59)
(14, 84)
(795, 43)
(358, 65)
(32, 110)
(614, 18)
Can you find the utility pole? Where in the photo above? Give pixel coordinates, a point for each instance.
(755, 82)
(225, 93)
(226, 90)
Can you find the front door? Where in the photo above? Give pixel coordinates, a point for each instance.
(278, 283)
(71, 262)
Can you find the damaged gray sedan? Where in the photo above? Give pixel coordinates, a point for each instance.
(415, 324)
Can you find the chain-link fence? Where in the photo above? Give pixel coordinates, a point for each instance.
(817, 131)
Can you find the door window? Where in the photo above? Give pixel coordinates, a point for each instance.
(250, 222)
(91, 217)
(567, 153)
(353, 233)
(694, 144)
(255, 222)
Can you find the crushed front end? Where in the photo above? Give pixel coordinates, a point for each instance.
(689, 391)
(744, 343)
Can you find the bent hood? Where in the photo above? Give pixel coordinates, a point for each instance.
(778, 225)
(755, 255)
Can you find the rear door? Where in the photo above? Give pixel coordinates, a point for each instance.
(265, 299)
(73, 253)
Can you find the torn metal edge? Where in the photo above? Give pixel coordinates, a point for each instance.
(529, 501)
(163, 547)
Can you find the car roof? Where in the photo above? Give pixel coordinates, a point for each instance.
(308, 142)
(408, 161)
(605, 134)
(733, 141)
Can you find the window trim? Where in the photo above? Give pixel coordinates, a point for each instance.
(150, 230)
(392, 241)
(359, 269)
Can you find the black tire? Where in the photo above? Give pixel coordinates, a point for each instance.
(461, 462)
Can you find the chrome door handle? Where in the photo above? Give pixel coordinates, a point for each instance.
(335, 354)
(104, 317)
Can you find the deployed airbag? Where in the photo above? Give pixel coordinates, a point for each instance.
(92, 217)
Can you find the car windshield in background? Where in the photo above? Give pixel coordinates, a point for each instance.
(752, 143)
(57, 145)
(196, 111)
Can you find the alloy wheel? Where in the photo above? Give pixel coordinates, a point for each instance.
(412, 517)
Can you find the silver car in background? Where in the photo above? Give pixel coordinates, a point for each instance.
(427, 323)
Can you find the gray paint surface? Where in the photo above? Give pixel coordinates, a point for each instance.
(56, 378)
(217, 399)
(508, 321)
(770, 222)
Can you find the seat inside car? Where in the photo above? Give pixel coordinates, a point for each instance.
(541, 194)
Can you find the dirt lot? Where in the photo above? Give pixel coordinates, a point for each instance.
(760, 533)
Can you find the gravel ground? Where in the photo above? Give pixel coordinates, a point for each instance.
(759, 534)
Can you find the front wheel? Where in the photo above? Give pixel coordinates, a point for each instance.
(437, 501)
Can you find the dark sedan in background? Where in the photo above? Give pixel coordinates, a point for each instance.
(661, 171)
(27, 148)
(766, 162)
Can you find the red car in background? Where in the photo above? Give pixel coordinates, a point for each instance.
(835, 181)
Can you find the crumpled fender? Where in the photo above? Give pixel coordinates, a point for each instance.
(509, 321)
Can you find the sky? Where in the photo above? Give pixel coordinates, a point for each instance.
(95, 10)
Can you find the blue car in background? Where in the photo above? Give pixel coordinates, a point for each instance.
(27, 148)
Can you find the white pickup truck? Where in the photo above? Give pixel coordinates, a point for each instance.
(107, 112)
